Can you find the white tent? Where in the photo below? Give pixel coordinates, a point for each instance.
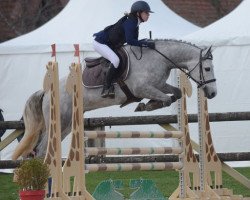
(23, 59)
(230, 38)
(81, 18)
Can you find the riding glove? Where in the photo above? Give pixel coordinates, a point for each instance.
(151, 44)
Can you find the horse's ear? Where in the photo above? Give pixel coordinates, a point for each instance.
(208, 53)
(207, 49)
(210, 49)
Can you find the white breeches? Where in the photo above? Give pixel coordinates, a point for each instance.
(107, 53)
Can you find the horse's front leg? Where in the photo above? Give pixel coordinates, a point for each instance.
(169, 89)
(153, 93)
(156, 104)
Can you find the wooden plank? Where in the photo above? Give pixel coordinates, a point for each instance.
(11, 125)
(9, 164)
(10, 138)
(236, 175)
(168, 127)
(136, 120)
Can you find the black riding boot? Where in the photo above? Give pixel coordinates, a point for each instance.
(108, 88)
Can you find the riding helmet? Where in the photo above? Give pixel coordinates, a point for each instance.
(140, 6)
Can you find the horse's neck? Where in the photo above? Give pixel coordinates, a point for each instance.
(180, 53)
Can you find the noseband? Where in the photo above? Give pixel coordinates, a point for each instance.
(202, 80)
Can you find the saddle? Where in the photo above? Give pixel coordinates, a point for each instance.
(95, 71)
(94, 74)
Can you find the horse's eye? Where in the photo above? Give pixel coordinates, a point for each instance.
(210, 57)
(207, 69)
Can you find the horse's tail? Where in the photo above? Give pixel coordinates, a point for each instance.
(34, 125)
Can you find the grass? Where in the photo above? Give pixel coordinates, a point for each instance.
(166, 182)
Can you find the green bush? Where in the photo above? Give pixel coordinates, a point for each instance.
(32, 174)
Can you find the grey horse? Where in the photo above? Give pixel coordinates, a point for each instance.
(149, 71)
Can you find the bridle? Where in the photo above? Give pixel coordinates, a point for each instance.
(202, 80)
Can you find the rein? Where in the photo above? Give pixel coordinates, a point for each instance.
(202, 79)
(138, 58)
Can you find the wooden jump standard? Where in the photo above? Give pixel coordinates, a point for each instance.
(199, 186)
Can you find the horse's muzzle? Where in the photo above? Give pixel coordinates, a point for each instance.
(209, 92)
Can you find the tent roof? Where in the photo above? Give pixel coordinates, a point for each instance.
(81, 18)
(231, 30)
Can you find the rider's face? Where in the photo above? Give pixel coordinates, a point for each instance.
(145, 16)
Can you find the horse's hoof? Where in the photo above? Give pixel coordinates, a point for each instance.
(173, 99)
(140, 107)
(152, 107)
(166, 104)
(111, 96)
(177, 94)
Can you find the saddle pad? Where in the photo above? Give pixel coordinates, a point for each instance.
(94, 77)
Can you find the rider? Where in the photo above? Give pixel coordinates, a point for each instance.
(126, 30)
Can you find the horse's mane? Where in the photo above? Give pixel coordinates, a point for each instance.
(178, 41)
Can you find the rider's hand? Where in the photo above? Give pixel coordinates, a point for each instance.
(151, 44)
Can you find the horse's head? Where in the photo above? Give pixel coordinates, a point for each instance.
(198, 62)
(203, 73)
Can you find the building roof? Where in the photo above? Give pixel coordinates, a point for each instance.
(202, 12)
(18, 17)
